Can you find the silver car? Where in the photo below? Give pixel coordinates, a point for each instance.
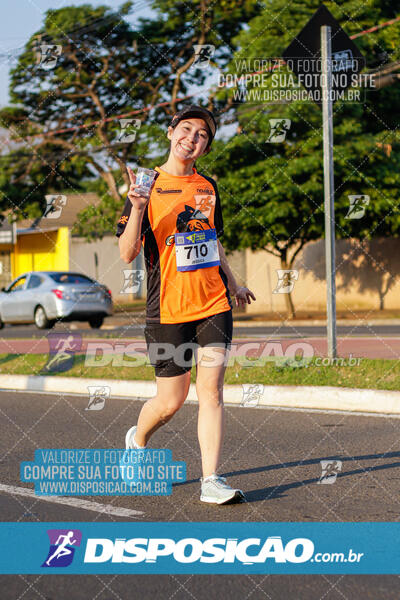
(44, 297)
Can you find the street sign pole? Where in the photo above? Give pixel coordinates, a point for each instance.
(323, 36)
(329, 193)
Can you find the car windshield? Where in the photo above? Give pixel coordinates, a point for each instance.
(70, 278)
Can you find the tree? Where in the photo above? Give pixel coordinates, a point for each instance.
(273, 192)
(59, 115)
(63, 120)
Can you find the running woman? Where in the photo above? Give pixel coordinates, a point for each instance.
(188, 291)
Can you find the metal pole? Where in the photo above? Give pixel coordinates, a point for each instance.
(329, 194)
(96, 265)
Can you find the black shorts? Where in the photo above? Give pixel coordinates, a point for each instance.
(171, 346)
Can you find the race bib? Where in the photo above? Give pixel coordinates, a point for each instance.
(196, 250)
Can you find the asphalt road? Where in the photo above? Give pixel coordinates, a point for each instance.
(318, 330)
(293, 331)
(273, 455)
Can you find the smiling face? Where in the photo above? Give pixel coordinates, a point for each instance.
(189, 139)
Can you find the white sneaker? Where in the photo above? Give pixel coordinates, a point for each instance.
(215, 490)
(130, 443)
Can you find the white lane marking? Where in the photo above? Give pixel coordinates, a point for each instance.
(106, 509)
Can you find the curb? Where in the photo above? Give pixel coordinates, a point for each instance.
(317, 322)
(307, 397)
(277, 323)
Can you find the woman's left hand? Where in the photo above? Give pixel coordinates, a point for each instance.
(243, 296)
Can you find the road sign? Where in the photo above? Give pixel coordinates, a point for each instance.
(326, 63)
(303, 56)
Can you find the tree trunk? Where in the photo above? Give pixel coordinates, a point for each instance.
(288, 296)
(112, 185)
(381, 301)
(382, 293)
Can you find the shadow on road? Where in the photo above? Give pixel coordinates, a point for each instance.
(278, 491)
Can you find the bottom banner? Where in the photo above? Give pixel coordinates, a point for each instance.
(200, 547)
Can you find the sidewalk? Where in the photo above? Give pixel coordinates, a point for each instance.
(301, 397)
(127, 318)
(379, 347)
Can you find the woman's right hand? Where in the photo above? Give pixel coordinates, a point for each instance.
(138, 202)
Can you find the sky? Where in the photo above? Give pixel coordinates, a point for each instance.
(22, 18)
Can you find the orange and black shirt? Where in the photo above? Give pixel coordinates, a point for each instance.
(179, 204)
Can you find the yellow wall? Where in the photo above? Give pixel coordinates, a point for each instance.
(47, 251)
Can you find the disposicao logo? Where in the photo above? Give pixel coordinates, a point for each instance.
(190, 550)
(62, 547)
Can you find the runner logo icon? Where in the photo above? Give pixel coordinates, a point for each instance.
(62, 547)
(330, 470)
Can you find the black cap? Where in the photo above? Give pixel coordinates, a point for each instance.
(197, 112)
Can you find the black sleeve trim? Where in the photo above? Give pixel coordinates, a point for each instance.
(124, 218)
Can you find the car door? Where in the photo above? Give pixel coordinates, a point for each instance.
(28, 298)
(10, 303)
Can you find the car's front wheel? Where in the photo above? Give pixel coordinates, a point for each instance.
(96, 322)
(1, 323)
(41, 320)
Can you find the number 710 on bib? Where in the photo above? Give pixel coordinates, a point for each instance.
(196, 250)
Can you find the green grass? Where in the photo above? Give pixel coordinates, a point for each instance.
(374, 374)
(133, 306)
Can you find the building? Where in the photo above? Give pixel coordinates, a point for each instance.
(8, 236)
(51, 243)
(367, 272)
